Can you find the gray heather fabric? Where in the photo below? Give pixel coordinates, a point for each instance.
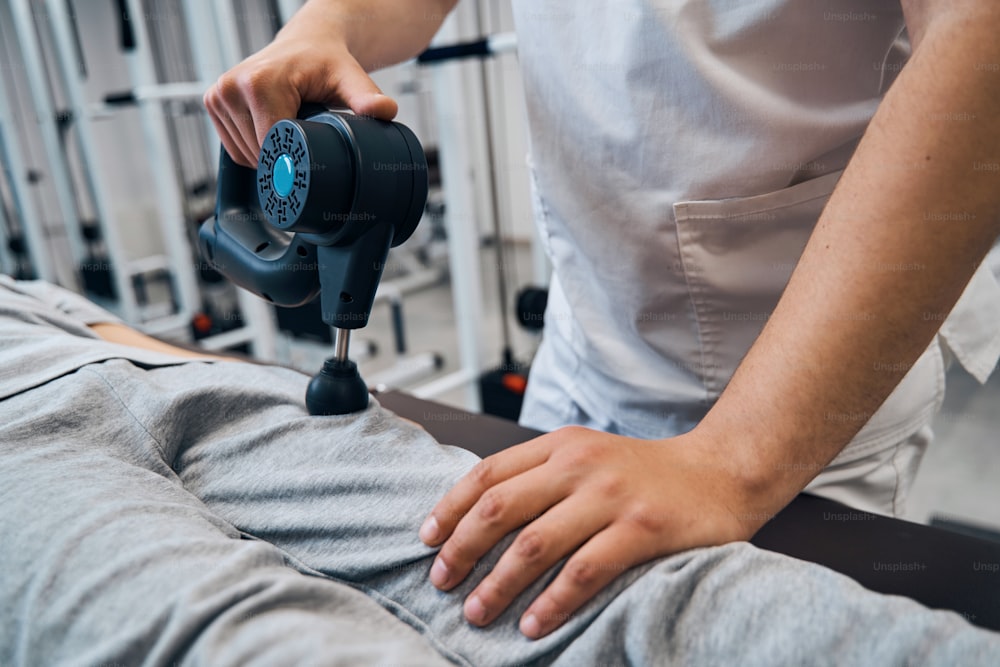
(44, 334)
(194, 514)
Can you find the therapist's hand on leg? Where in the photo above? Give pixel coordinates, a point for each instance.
(606, 502)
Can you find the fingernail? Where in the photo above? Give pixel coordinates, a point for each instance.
(530, 627)
(439, 573)
(475, 610)
(430, 530)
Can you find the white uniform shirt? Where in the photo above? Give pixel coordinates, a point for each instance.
(682, 151)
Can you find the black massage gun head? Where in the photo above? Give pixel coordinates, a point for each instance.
(337, 390)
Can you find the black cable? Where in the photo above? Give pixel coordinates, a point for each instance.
(275, 15)
(124, 26)
(77, 42)
(508, 354)
(507, 220)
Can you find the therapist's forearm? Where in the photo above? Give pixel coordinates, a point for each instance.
(378, 33)
(913, 215)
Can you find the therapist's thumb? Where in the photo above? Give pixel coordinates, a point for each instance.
(352, 86)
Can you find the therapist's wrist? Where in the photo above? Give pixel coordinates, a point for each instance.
(760, 477)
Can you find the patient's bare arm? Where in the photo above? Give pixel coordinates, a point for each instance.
(114, 332)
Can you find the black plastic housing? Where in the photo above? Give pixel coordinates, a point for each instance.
(359, 187)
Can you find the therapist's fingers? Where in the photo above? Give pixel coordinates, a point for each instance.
(253, 102)
(246, 102)
(489, 472)
(350, 84)
(597, 563)
(500, 509)
(538, 547)
(273, 83)
(230, 137)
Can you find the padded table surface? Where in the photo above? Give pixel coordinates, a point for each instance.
(938, 568)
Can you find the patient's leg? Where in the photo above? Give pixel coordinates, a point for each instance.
(105, 559)
(344, 497)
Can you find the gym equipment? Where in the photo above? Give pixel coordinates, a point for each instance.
(501, 388)
(331, 194)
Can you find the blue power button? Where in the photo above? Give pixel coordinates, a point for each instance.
(283, 175)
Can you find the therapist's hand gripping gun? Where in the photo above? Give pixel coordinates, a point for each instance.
(331, 194)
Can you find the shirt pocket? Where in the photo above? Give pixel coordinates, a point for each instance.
(737, 256)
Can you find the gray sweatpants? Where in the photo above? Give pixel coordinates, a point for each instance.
(195, 515)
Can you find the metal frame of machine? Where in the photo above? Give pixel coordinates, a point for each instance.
(215, 45)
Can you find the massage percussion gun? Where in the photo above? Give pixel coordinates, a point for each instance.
(331, 194)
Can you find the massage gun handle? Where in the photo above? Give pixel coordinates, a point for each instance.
(239, 243)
